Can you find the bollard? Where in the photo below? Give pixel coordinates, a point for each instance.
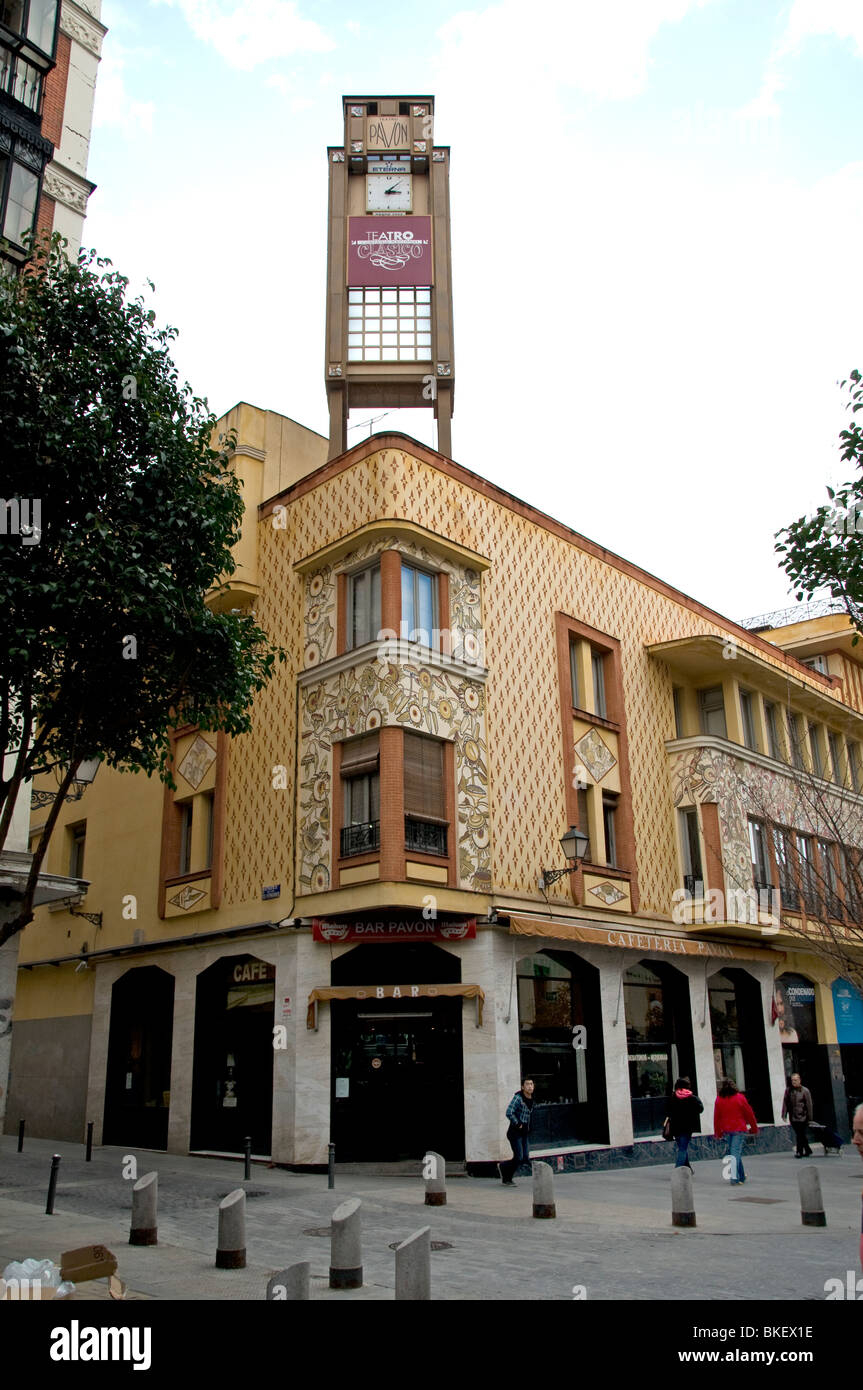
(331, 1166)
(52, 1185)
(543, 1191)
(89, 1154)
(145, 1197)
(413, 1267)
(20, 1136)
(290, 1283)
(247, 1158)
(811, 1201)
(435, 1164)
(231, 1251)
(346, 1247)
(682, 1201)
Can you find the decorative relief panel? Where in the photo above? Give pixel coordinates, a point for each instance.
(363, 699)
(595, 754)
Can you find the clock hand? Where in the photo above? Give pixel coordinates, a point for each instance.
(394, 188)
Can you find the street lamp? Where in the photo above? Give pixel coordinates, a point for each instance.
(575, 845)
(87, 769)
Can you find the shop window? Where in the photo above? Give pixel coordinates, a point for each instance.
(712, 707)
(693, 876)
(419, 606)
(726, 1030)
(794, 1007)
(77, 836)
(551, 1004)
(363, 606)
(360, 771)
(426, 822)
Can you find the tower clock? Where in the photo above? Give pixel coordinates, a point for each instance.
(389, 287)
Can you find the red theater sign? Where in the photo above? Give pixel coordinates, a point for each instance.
(389, 251)
(411, 930)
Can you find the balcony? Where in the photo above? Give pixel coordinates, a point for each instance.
(360, 839)
(425, 837)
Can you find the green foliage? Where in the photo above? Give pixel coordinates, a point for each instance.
(825, 551)
(138, 514)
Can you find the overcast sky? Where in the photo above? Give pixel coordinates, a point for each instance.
(648, 343)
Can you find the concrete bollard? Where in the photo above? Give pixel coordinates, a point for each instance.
(346, 1246)
(231, 1251)
(435, 1166)
(413, 1267)
(289, 1284)
(811, 1201)
(682, 1200)
(543, 1191)
(145, 1199)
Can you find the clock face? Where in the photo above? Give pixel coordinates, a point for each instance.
(390, 192)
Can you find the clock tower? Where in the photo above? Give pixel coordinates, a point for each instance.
(389, 285)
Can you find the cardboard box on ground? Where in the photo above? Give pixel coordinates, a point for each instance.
(81, 1267)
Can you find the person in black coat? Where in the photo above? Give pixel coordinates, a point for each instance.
(684, 1108)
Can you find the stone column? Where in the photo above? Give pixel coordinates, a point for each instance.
(617, 1091)
(185, 967)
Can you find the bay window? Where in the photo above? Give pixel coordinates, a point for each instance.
(360, 771)
(426, 821)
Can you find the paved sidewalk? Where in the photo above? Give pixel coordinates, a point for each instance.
(612, 1235)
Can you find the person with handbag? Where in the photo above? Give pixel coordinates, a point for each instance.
(797, 1105)
(732, 1116)
(684, 1107)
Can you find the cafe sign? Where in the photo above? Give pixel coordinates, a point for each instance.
(410, 929)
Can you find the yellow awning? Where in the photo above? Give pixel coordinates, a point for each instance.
(640, 940)
(376, 992)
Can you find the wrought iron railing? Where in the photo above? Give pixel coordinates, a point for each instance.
(361, 839)
(425, 837)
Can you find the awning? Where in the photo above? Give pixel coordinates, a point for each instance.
(326, 992)
(640, 940)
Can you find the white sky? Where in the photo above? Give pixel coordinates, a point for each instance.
(648, 344)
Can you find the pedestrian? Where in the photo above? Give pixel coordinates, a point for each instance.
(518, 1114)
(684, 1108)
(732, 1116)
(857, 1141)
(797, 1105)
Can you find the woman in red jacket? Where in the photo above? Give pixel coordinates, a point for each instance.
(732, 1116)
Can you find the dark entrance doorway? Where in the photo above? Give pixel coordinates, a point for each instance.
(739, 1043)
(138, 1078)
(233, 1075)
(397, 1071)
(658, 1039)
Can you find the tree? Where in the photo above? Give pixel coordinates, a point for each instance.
(119, 520)
(825, 551)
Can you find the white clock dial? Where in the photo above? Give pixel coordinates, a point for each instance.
(389, 192)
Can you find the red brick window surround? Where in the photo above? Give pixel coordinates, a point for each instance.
(591, 690)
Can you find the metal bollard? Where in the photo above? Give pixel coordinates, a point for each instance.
(682, 1200)
(247, 1164)
(20, 1136)
(331, 1166)
(346, 1246)
(89, 1154)
(52, 1185)
(811, 1202)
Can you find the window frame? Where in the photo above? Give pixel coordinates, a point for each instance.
(434, 575)
(609, 813)
(774, 745)
(705, 710)
(77, 848)
(597, 669)
(747, 718)
(371, 569)
(687, 818)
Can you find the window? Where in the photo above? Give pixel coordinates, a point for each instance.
(597, 661)
(210, 800)
(853, 765)
(712, 706)
(678, 713)
(787, 885)
(425, 799)
(829, 895)
(21, 80)
(19, 189)
(805, 851)
(772, 732)
(693, 878)
(77, 841)
(747, 719)
(584, 819)
(815, 745)
(835, 756)
(577, 700)
(817, 663)
(39, 24)
(609, 809)
(185, 866)
(795, 741)
(360, 770)
(364, 606)
(419, 606)
(760, 856)
(389, 325)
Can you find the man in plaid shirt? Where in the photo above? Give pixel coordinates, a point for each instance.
(518, 1114)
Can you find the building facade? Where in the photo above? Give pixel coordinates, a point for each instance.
(49, 54)
(335, 926)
